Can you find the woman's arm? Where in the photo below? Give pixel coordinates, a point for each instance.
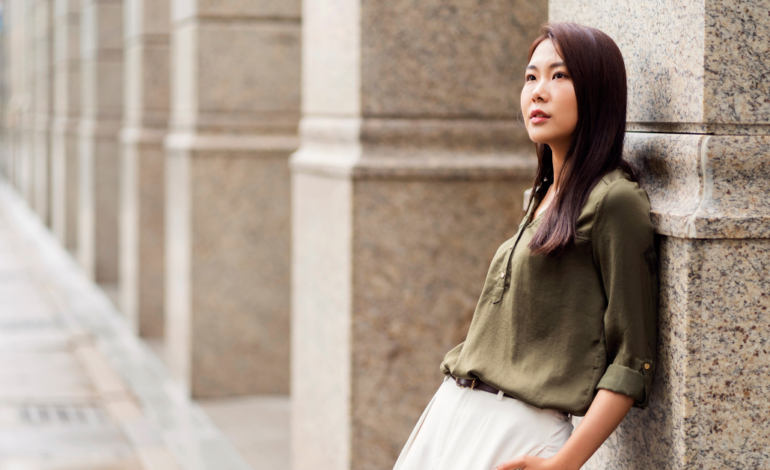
(604, 415)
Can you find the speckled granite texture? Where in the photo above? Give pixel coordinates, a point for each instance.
(699, 67)
(709, 403)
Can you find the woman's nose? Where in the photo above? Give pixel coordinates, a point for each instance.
(539, 92)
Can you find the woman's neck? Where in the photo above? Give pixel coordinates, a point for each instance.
(557, 161)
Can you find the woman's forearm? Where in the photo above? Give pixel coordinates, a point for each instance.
(605, 414)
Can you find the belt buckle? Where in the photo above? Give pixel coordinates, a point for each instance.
(473, 383)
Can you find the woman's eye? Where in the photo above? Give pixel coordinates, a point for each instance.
(559, 75)
(529, 77)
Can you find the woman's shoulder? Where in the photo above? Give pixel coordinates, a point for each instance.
(616, 190)
(616, 196)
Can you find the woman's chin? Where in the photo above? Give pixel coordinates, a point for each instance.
(538, 139)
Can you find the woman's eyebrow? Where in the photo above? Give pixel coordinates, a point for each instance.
(552, 66)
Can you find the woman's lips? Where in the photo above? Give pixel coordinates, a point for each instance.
(538, 116)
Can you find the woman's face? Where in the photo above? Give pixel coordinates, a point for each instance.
(548, 100)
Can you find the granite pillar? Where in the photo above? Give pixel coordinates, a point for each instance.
(147, 60)
(43, 91)
(699, 122)
(235, 104)
(410, 174)
(101, 33)
(65, 137)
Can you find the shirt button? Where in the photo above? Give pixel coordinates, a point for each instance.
(647, 367)
(502, 274)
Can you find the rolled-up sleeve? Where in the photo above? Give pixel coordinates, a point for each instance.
(624, 249)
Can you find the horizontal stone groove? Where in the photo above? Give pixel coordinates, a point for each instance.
(703, 186)
(698, 128)
(513, 167)
(223, 19)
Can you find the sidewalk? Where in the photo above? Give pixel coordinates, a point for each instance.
(78, 390)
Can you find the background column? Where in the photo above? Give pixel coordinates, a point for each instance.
(235, 108)
(43, 90)
(67, 97)
(410, 174)
(13, 29)
(147, 60)
(99, 150)
(699, 122)
(27, 107)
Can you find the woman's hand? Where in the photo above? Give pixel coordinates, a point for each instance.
(605, 413)
(529, 462)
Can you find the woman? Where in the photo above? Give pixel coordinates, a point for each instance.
(566, 321)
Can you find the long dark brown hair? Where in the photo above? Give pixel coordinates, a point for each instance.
(599, 76)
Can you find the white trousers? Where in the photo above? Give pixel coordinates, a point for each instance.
(464, 429)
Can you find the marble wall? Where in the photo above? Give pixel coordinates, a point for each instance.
(700, 133)
(409, 176)
(99, 148)
(147, 64)
(64, 139)
(235, 96)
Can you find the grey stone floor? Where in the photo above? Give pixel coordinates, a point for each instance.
(78, 391)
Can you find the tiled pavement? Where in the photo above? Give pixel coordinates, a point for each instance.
(78, 390)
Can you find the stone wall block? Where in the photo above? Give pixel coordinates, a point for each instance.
(691, 73)
(225, 85)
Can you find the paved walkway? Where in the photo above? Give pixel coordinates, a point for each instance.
(78, 390)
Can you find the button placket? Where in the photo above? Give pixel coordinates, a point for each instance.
(503, 274)
(499, 289)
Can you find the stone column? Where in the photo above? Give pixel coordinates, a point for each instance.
(147, 60)
(235, 108)
(27, 106)
(43, 91)
(699, 122)
(99, 150)
(64, 152)
(12, 30)
(410, 174)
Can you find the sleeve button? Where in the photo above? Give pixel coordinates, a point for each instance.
(647, 366)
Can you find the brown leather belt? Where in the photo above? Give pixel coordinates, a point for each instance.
(477, 384)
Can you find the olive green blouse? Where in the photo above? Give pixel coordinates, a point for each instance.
(550, 331)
